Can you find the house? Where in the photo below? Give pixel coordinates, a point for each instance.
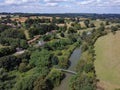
(89, 33)
(10, 24)
(41, 42)
(19, 49)
(53, 31)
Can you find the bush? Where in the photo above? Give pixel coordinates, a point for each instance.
(55, 77)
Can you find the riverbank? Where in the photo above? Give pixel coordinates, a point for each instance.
(74, 58)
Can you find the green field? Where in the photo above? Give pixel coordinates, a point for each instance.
(107, 63)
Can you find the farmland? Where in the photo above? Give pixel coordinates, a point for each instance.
(107, 63)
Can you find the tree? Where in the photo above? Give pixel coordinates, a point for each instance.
(40, 58)
(6, 51)
(46, 37)
(3, 74)
(4, 27)
(55, 77)
(71, 30)
(114, 28)
(41, 84)
(11, 33)
(82, 82)
(87, 22)
(92, 25)
(101, 28)
(9, 62)
(89, 68)
(62, 35)
(107, 22)
(54, 20)
(54, 60)
(23, 44)
(23, 67)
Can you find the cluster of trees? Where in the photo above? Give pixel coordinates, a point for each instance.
(61, 43)
(4, 27)
(58, 20)
(11, 33)
(74, 27)
(6, 51)
(114, 28)
(63, 48)
(62, 28)
(14, 38)
(42, 76)
(29, 22)
(42, 29)
(88, 24)
(14, 43)
(8, 64)
(10, 39)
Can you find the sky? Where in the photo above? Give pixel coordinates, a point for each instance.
(60, 6)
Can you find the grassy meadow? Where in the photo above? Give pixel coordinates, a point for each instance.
(107, 63)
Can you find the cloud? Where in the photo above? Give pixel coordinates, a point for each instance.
(58, 0)
(57, 3)
(86, 2)
(60, 6)
(9, 2)
(99, 3)
(51, 4)
(116, 1)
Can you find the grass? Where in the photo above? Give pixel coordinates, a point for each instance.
(97, 26)
(1, 46)
(27, 34)
(82, 24)
(107, 63)
(97, 22)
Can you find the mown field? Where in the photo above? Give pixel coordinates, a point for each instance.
(107, 63)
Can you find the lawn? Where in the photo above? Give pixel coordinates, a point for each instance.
(107, 63)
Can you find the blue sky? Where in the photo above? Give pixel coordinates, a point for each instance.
(60, 6)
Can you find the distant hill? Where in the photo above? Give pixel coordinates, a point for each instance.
(85, 15)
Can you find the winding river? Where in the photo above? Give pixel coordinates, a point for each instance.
(74, 58)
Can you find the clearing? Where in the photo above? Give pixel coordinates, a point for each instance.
(107, 63)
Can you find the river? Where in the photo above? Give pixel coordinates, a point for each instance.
(74, 58)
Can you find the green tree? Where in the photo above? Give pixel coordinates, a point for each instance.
(55, 60)
(87, 22)
(40, 58)
(92, 25)
(114, 28)
(107, 23)
(55, 77)
(41, 84)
